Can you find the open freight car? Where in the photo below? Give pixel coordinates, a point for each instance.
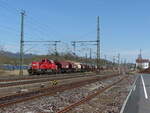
(64, 66)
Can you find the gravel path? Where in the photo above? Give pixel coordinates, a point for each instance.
(110, 101)
(52, 104)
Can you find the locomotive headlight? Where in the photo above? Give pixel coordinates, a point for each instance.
(34, 64)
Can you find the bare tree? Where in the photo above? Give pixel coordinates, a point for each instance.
(1, 49)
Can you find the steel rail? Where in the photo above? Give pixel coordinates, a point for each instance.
(21, 97)
(89, 97)
(40, 76)
(16, 83)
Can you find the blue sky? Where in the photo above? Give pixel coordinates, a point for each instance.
(125, 24)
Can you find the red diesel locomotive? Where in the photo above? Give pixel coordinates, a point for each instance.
(43, 67)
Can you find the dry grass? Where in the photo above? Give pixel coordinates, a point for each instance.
(2, 71)
(12, 73)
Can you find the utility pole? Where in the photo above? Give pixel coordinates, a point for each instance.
(125, 66)
(114, 60)
(55, 44)
(74, 43)
(119, 63)
(105, 60)
(86, 59)
(90, 53)
(74, 47)
(98, 44)
(118, 58)
(22, 42)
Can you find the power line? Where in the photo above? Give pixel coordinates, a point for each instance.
(74, 44)
(43, 26)
(55, 43)
(119, 62)
(39, 29)
(40, 41)
(9, 8)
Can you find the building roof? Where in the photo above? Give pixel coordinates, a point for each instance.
(142, 61)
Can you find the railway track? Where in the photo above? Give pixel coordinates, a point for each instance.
(89, 97)
(26, 77)
(39, 80)
(21, 97)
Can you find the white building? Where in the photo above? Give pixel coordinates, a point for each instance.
(142, 63)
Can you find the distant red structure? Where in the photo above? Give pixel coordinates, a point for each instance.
(42, 67)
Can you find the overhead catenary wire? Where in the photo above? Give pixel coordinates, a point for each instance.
(37, 28)
(9, 8)
(40, 32)
(43, 26)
